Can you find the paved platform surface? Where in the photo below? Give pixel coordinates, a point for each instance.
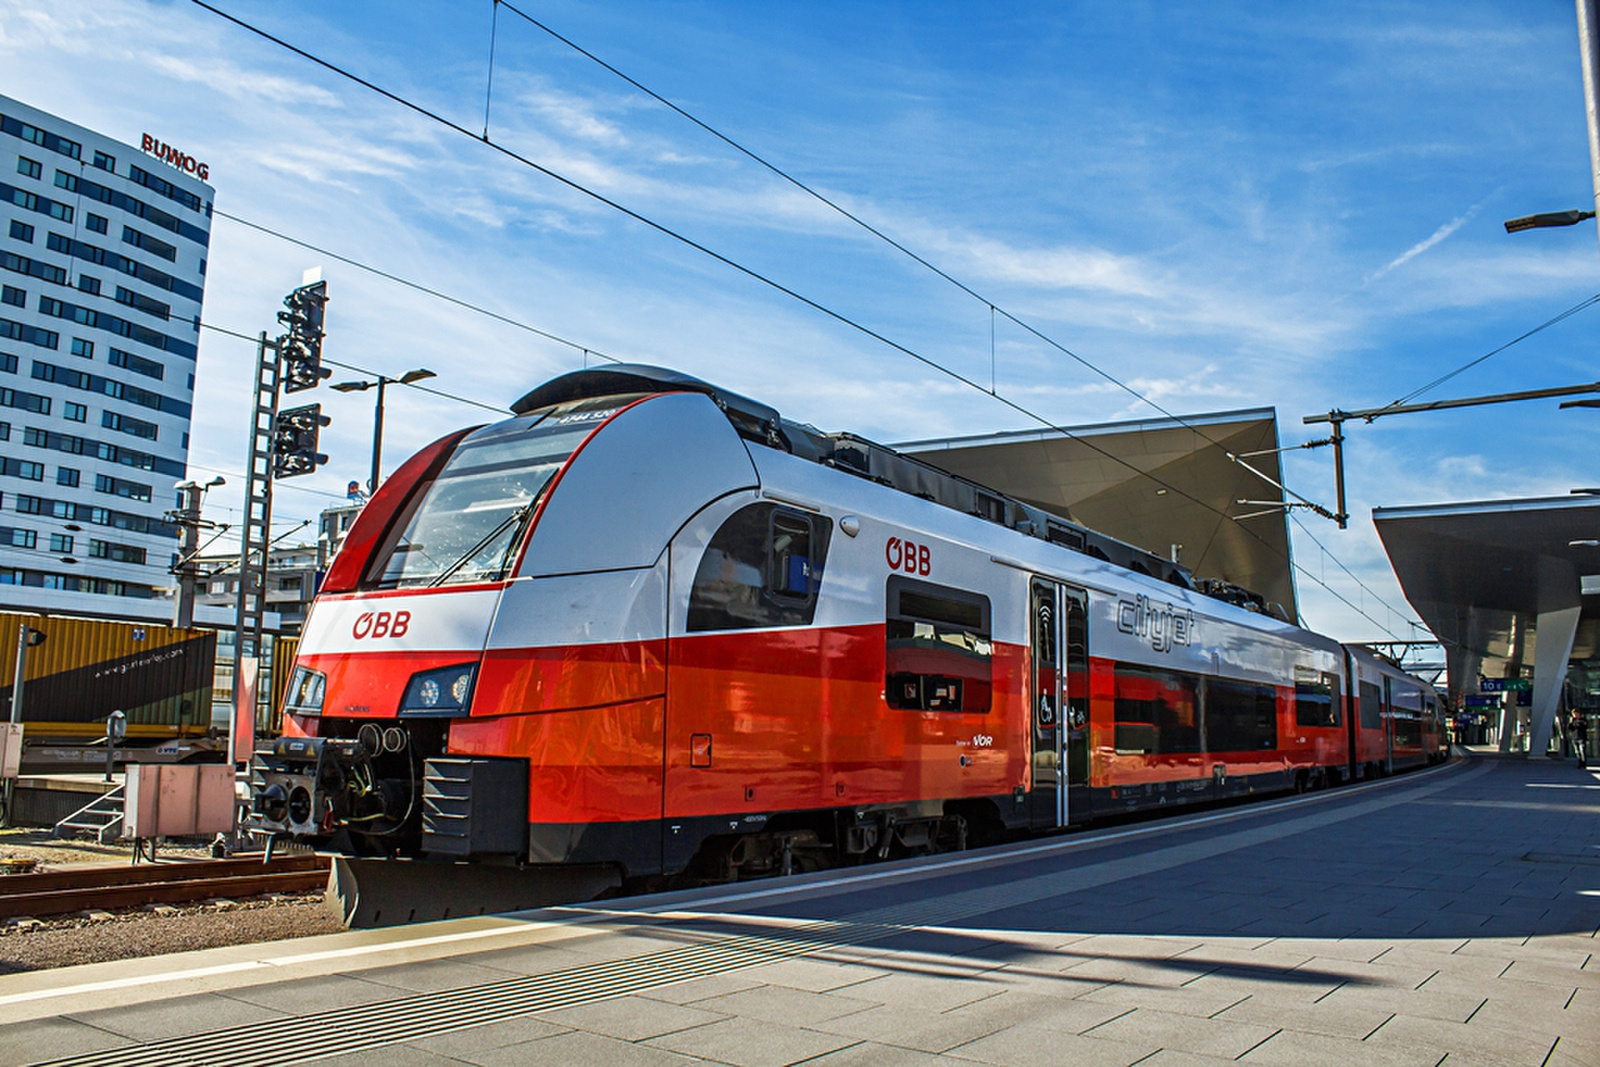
(1448, 916)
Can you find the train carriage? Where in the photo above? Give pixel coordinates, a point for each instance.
(649, 624)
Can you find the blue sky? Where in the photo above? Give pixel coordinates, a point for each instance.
(1223, 206)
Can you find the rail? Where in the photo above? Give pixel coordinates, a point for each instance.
(104, 887)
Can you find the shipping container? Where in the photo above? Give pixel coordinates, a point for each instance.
(160, 677)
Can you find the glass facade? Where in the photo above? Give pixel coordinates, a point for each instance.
(102, 261)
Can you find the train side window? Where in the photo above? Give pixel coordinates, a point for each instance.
(938, 654)
(1240, 716)
(1157, 711)
(1371, 706)
(763, 567)
(1317, 703)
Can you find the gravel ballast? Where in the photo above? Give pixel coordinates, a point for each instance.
(66, 941)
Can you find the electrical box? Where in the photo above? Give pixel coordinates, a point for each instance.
(178, 800)
(10, 749)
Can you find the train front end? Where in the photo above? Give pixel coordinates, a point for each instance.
(393, 650)
(483, 674)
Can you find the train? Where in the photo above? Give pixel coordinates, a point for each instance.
(650, 626)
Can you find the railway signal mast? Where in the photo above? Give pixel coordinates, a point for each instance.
(283, 444)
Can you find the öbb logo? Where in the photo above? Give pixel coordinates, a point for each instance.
(376, 624)
(907, 556)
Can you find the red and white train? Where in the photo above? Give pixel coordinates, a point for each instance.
(651, 625)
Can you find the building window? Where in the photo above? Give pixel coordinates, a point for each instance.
(22, 468)
(68, 477)
(89, 284)
(29, 167)
(105, 162)
(138, 364)
(21, 231)
(74, 412)
(20, 538)
(114, 552)
(61, 542)
(104, 483)
(10, 294)
(83, 348)
(111, 420)
(66, 181)
(94, 222)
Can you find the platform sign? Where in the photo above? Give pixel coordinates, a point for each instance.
(1476, 700)
(1505, 685)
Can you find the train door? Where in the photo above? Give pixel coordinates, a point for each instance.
(1059, 698)
(1388, 727)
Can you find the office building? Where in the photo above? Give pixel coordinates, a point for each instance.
(103, 251)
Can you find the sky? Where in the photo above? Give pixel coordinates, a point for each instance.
(1219, 206)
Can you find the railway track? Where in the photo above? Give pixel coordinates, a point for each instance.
(178, 882)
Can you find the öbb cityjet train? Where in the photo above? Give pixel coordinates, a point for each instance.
(650, 626)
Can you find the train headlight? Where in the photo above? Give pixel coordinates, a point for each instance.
(305, 692)
(445, 691)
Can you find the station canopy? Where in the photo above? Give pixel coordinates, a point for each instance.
(1153, 483)
(1487, 577)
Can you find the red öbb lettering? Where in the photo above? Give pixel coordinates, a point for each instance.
(908, 556)
(376, 624)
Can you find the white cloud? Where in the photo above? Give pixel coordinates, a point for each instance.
(1428, 242)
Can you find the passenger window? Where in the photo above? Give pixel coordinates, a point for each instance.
(1317, 703)
(763, 567)
(1157, 711)
(1371, 706)
(938, 655)
(1240, 717)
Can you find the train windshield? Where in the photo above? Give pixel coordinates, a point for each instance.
(469, 522)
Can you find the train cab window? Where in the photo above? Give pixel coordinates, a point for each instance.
(1371, 706)
(763, 567)
(1317, 703)
(467, 525)
(1157, 711)
(1240, 716)
(938, 653)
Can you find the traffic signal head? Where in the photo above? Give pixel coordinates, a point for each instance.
(301, 348)
(294, 441)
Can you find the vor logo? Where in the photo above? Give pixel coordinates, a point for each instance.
(376, 624)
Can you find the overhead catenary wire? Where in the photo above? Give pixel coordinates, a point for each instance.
(587, 350)
(778, 286)
(498, 409)
(994, 309)
(1567, 314)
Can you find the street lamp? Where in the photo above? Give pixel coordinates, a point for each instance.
(1547, 219)
(407, 378)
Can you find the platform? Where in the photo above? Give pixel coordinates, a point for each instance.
(1448, 913)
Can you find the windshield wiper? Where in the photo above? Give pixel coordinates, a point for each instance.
(517, 517)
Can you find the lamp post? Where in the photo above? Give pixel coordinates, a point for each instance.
(410, 376)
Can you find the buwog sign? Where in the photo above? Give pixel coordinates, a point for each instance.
(168, 154)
